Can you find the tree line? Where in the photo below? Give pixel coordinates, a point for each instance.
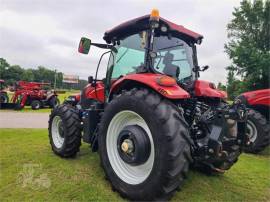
(13, 73)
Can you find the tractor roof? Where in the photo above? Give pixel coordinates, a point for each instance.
(142, 23)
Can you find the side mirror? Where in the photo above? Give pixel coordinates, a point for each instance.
(205, 68)
(90, 79)
(84, 45)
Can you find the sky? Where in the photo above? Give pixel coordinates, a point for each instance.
(47, 32)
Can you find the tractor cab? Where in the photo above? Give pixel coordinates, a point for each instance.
(170, 56)
(155, 46)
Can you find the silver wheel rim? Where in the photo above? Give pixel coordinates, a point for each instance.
(57, 139)
(126, 172)
(251, 131)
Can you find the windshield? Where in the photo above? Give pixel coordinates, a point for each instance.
(130, 55)
(174, 58)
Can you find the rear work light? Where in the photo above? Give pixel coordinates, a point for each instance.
(166, 81)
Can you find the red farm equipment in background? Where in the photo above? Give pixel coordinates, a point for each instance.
(258, 126)
(3, 94)
(31, 94)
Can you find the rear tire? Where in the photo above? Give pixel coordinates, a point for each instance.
(64, 131)
(258, 131)
(36, 104)
(168, 162)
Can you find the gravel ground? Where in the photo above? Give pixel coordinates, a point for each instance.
(23, 120)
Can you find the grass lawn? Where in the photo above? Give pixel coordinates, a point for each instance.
(30, 171)
(61, 97)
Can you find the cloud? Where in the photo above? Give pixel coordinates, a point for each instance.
(37, 32)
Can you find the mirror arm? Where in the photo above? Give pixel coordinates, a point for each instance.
(105, 46)
(94, 84)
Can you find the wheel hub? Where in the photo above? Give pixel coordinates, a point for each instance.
(127, 146)
(133, 145)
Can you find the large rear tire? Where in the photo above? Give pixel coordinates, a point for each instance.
(159, 170)
(258, 130)
(64, 131)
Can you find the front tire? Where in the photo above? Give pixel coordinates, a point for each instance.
(160, 169)
(258, 131)
(64, 131)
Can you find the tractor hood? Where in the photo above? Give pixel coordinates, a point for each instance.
(142, 23)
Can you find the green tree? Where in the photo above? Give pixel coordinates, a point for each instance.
(249, 44)
(234, 86)
(3, 68)
(12, 74)
(3, 65)
(221, 86)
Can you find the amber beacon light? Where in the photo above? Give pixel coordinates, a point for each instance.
(154, 15)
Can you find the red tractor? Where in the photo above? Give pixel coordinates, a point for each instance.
(258, 126)
(31, 94)
(3, 94)
(151, 118)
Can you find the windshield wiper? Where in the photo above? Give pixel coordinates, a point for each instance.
(122, 55)
(171, 47)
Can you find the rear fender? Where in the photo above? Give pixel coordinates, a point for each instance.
(207, 89)
(258, 97)
(148, 80)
